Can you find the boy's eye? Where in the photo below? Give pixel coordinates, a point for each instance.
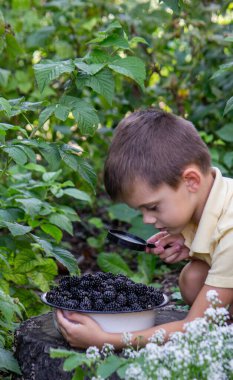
(153, 208)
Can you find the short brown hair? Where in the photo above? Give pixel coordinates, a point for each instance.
(155, 146)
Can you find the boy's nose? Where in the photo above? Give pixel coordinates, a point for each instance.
(148, 219)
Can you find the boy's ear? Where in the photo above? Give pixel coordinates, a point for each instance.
(192, 179)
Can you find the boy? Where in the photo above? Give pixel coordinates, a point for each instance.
(157, 163)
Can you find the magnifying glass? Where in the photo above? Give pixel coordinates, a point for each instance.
(128, 240)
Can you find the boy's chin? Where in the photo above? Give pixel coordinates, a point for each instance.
(174, 231)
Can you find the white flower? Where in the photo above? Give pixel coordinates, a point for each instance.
(97, 378)
(163, 373)
(134, 371)
(107, 349)
(230, 365)
(127, 338)
(130, 353)
(158, 337)
(212, 297)
(93, 353)
(218, 315)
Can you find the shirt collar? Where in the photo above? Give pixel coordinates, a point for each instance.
(198, 238)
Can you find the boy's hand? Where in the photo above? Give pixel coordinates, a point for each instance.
(80, 330)
(170, 248)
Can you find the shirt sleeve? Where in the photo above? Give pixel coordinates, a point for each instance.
(221, 271)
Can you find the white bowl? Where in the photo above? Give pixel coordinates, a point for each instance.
(119, 322)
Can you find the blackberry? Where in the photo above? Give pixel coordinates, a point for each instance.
(85, 305)
(140, 289)
(110, 288)
(95, 295)
(157, 298)
(110, 281)
(135, 307)
(82, 295)
(121, 299)
(64, 282)
(111, 306)
(126, 308)
(132, 298)
(108, 296)
(86, 284)
(119, 284)
(74, 281)
(71, 304)
(99, 305)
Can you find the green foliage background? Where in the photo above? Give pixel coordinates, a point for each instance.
(69, 71)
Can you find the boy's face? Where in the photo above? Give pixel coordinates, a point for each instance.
(167, 209)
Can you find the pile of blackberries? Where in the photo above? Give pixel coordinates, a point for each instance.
(104, 292)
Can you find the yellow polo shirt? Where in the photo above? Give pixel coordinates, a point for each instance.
(212, 240)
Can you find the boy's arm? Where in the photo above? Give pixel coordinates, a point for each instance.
(81, 331)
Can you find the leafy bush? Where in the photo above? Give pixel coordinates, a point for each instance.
(10, 311)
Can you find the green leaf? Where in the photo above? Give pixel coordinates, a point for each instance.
(229, 106)
(4, 77)
(112, 262)
(62, 222)
(45, 114)
(5, 106)
(17, 154)
(61, 112)
(84, 114)
(86, 171)
(114, 40)
(35, 167)
(13, 47)
(40, 37)
(45, 245)
(50, 152)
(67, 259)
(122, 212)
(17, 229)
(109, 366)
(53, 231)
(62, 353)
(44, 274)
(226, 132)
(91, 69)
(69, 159)
(31, 206)
(146, 266)
(137, 40)
(29, 153)
(8, 362)
(25, 261)
(131, 67)
(77, 194)
(48, 70)
(51, 176)
(102, 83)
(79, 374)
(173, 4)
(73, 361)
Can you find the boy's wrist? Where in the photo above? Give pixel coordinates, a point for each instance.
(116, 339)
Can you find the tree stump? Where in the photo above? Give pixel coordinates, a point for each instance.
(37, 335)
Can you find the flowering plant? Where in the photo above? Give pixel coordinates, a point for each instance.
(204, 351)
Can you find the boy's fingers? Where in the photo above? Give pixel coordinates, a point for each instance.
(170, 252)
(156, 237)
